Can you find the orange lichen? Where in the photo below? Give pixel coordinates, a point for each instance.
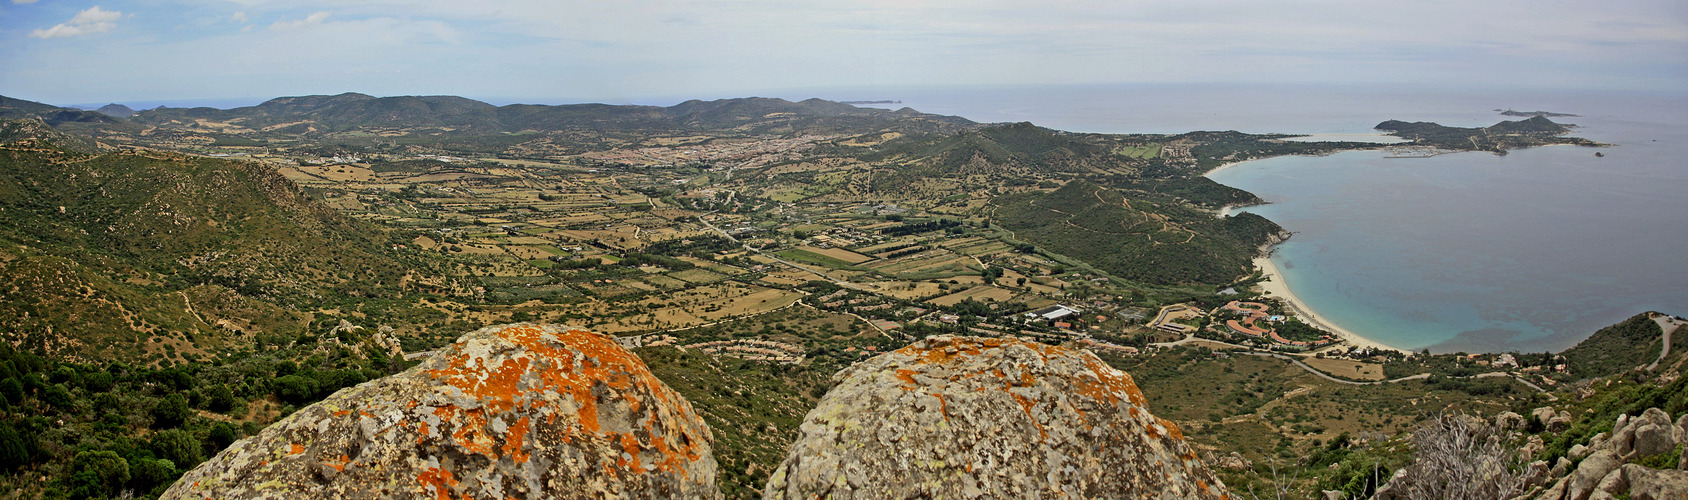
(501, 388)
(1171, 429)
(513, 441)
(907, 376)
(440, 480)
(296, 449)
(943, 406)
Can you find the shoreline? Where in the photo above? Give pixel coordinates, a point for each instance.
(1275, 286)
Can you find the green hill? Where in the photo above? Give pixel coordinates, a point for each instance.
(461, 116)
(121, 253)
(1161, 243)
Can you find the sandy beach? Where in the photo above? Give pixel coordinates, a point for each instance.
(1275, 286)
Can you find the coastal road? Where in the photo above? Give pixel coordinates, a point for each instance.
(1668, 324)
(1295, 360)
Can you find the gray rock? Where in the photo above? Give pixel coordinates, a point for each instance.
(1589, 473)
(1560, 466)
(1559, 422)
(514, 411)
(1651, 484)
(1333, 495)
(983, 417)
(1578, 451)
(1651, 439)
(1507, 421)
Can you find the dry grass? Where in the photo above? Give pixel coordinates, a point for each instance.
(837, 253)
(983, 293)
(1347, 369)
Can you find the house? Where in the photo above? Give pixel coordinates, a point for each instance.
(1053, 312)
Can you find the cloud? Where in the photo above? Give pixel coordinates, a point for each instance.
(93, 20)
(239, 17)
(316, 18)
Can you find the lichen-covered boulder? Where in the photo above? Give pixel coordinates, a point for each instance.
(515, 411)
(966, 417)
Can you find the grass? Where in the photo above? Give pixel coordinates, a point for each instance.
(801, 255)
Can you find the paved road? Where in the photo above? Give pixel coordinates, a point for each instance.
(1297, 362)
(1668, 324)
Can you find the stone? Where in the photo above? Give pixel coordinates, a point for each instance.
(1589, 474)
(1651, 439)
(1333, 495)
(988, 417)
(1578, 451)
(513, 411)
(1559, 422)
(1508, 421)
(1560, 466)
(1643, 483)
(1543, 414)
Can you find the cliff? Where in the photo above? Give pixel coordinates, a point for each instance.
(514, 411)
(975, 417)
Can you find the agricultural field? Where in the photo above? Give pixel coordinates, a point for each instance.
(982, 293)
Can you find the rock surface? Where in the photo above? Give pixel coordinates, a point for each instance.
(1606, 473)
(514, 411)
(965, 417)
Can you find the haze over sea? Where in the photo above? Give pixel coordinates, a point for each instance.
(1530, 251)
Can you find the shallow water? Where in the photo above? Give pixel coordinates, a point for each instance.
(1529, 251)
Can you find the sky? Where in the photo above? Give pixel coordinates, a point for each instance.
(553, 51)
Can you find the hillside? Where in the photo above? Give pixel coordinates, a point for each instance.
(1161, 243)
(161, 254)
(461, 116)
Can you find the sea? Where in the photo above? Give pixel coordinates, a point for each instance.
(1468, 252)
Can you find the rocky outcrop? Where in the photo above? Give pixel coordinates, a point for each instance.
(965, 417)
(515, 411)
(1606, 470)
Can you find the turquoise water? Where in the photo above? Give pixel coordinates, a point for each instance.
(1472, 252)
(1475, 252)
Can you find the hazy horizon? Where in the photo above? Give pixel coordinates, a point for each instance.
(82, 52)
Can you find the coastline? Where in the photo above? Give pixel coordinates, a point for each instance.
(1275, 286)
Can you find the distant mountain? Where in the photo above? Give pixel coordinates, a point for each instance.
(349, 111)
(117, 110)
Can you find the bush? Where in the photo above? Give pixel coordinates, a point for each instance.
(171, 412)
(177, 446)
(295, 389)
(1458, 456)
(146, 473)
(98, 473)
(14, 450)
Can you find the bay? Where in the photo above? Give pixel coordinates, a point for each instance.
(1475, 252)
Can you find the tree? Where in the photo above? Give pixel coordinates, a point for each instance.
(98, 473)
(221, 436)
(295, 389)
(14, 451)
(171, 412)
(177, 446)
(147, 473)
(12, 389)
(221, 398)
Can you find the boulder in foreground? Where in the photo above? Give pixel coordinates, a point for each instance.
(967, 417)
(514, 411)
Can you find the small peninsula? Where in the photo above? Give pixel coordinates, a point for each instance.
(1497, 138)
